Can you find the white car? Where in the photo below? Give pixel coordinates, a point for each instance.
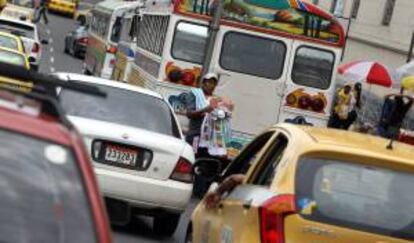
(29, 35)
(141, 159)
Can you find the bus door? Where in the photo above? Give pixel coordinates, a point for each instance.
(252, 71)
(310, 85)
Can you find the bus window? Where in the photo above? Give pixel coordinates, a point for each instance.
(253, 55)
(313, 67)
(100, 25)
(151, 33)
(127, 33)
(189, 42)
(116, 30)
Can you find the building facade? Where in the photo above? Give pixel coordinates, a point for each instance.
(380, 30)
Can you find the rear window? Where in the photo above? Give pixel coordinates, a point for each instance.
(359, 197)
(17, 29)
(313, 67)
(12, 58)
(122, 107)
(42, 197)
(8, 42)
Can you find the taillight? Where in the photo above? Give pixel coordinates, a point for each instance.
(272, 215)
(112, 62)
(112, 49)
(36, 48)
(83, 40)
(183, 171)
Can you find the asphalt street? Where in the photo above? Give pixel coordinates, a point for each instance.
(55, 60)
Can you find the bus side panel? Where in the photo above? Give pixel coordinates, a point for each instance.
(95, 55)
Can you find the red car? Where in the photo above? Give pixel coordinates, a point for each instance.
(48, 191)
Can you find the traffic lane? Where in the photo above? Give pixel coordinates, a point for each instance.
(53, 57)
(141, 229)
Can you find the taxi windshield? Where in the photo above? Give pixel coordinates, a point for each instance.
(12, 58)
(42, 196)
(356, 196)
(8, 42)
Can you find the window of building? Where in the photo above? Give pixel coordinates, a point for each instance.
(190, 41)
(152, 33)
(355, 8)
(388, 11)
(313, 67)
(253, 55)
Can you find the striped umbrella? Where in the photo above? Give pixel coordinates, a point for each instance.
(372, 72)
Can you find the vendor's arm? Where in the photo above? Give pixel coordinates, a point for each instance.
(213, 198)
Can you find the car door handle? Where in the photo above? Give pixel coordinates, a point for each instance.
(247, 204)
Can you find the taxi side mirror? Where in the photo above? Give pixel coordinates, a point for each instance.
(207, 168)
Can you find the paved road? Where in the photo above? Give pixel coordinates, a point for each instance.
(55, 60)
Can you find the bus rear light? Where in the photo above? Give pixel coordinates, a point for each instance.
(272, 216)
(112, 49)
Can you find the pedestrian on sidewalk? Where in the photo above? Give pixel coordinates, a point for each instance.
(41, 11)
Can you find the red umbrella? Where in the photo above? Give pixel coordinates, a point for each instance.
(373, 72)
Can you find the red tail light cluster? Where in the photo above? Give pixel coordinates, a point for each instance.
(183, 171)
(36, 48)
(272, 215)
(83, 40)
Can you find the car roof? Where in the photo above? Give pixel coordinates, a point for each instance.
(352, 140)
(42, 126)
(18, 21)
(107, 82)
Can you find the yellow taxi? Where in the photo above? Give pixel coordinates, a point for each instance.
(3, 4)
(306, 184)
(18, 12)
(18, 59)
(11, 41)
(67, 7)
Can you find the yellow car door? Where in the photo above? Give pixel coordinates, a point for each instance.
(209, 224)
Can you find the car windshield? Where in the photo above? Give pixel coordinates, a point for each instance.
(365, 198)
(12, 58)
(17, 29)
(122, 107)
(42, 198)
(8, 42)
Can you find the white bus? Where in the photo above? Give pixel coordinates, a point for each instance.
(104, 35)
(276, 63)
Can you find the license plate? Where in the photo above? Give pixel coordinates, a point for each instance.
(121, 156)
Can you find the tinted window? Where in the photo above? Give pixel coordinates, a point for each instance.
(190, 42)
(245, 159)
(17, 29)
(313, 67)
(267, 170)
(116, 30)
(355, 196)
(122, 107)
(42, 198)
(100, 24)
(253, 55)
(12, 58)
(8, 42)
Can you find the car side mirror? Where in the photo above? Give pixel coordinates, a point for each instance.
(31, 59)
(44, 42)
(207, 168)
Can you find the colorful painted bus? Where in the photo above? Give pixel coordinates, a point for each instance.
(104, 35)
(276, 60)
